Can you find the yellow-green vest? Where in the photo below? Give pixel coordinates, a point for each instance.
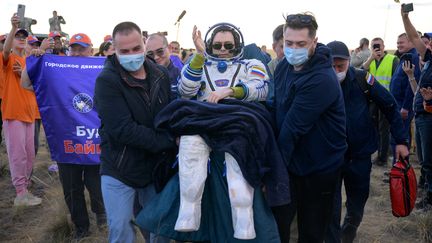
(384, 72)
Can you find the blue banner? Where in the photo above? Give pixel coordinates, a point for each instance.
(64, 88)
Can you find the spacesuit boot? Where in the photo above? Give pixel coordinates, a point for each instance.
(193, 159)
(241, 198)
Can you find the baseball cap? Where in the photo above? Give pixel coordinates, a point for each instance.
(107, 38)
(23, 31)
(80, 39)
(54, 34)
(32, 39)
(339, 50)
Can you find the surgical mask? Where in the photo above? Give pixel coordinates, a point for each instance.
(297, 56)
(131, 62)
(341, 76)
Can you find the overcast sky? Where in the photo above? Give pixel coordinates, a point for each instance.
(344, 20)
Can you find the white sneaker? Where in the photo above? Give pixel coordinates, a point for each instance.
(189, 217)
(243, 221)
(26, 200)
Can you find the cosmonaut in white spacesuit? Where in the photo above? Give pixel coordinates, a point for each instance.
(217, 72)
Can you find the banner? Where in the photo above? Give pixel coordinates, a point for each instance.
(64, 88)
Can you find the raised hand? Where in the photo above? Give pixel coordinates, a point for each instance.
(198, 41)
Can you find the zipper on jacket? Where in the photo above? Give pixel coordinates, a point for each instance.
(120, 160)
(155, 93)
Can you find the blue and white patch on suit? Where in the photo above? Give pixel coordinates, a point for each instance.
(221, 82)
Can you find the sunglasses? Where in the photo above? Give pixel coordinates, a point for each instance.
(227, 45)
(20, 37)
(158, 52)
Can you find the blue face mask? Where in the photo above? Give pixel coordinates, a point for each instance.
(297, 56)
(131, 62)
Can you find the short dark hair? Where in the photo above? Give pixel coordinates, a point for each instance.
(125, 28)
(225, 28)
(378, 39)
(364, 41)
(404, 34)
(301, 21)
(278, 33)
(175, 42)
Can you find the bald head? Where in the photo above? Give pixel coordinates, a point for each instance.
(157, 48)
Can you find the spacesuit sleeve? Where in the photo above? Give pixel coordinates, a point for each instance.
(190, 80)
(256, 83)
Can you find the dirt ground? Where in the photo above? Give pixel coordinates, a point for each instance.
(49, 222)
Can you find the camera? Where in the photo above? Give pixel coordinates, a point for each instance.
(21, 11)
(376, 46)
(407, 7)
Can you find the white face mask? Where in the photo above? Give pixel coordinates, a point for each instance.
(341, 76)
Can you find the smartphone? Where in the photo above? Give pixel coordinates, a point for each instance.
(21, 11)
(407, 57)
(407, 7)
(376, 46)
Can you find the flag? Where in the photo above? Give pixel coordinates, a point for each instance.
(64, 88)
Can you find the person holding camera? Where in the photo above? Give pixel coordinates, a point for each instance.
(400, 84)
(423, 118)
(55, 22)
(360, 54)
(19, 112)
(382, 66)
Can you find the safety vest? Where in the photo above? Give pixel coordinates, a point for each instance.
(384, 72)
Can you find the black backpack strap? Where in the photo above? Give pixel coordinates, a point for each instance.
(361, 77)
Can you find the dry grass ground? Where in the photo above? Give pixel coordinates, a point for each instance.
(49, 222)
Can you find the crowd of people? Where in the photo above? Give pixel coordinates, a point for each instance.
(287, 131)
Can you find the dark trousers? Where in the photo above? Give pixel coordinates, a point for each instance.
(356, 178)
(406, 132)
(312, 199)
(384, 137)
(73, 178)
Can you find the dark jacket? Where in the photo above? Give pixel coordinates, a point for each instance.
(399, 85)
(242, 129)
(310, 115)
(424, 81)
(131, 146)
(362, 136)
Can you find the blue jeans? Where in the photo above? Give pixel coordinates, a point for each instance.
(423, 124)
(356, 178)
(119, 200)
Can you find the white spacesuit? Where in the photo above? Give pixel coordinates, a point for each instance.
(200, 81)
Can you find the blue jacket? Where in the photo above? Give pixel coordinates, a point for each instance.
(310, 115)
(399, 85)
(362, 136)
